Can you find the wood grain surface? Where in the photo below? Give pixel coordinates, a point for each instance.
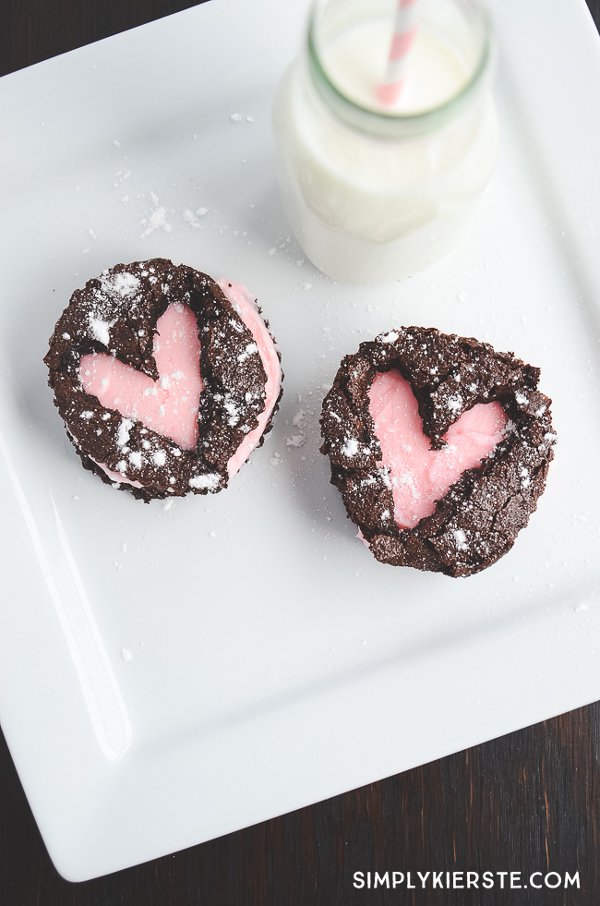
(528, 801)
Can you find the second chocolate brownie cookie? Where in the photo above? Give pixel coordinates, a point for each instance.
(440, 447)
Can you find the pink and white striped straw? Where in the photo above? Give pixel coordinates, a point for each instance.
(390, 89)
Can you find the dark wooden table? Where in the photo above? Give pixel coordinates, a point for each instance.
(528, 801)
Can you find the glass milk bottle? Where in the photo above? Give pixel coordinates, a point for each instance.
(378, 180)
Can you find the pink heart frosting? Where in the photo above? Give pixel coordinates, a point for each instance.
(168, 406)
(421, 476)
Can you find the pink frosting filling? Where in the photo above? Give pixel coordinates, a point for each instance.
(169, 406)
(421, 476)
(245, 306)
(117, 476)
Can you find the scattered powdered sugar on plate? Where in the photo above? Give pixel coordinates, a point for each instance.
(157, 219)
(299, 422)
(120, 177)
(193, 218)
(280, 244)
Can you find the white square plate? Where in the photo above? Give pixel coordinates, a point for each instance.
(167, 676)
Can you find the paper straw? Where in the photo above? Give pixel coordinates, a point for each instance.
(404, 34)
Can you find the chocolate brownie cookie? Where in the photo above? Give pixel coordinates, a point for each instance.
(440, 447)
(166, 379)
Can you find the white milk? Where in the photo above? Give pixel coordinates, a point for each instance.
(353, 61)
(375, 194)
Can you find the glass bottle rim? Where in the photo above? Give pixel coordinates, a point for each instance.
(395, 124)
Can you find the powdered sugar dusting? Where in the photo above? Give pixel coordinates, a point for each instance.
(251, 349)
(124, 431)
(156, 220)
(208, 482)
(193, 218)
(350, 448)
(121, 284)
(100, 330)
(135, 458)
(460, 539)
(455, 403)
(159, 458)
